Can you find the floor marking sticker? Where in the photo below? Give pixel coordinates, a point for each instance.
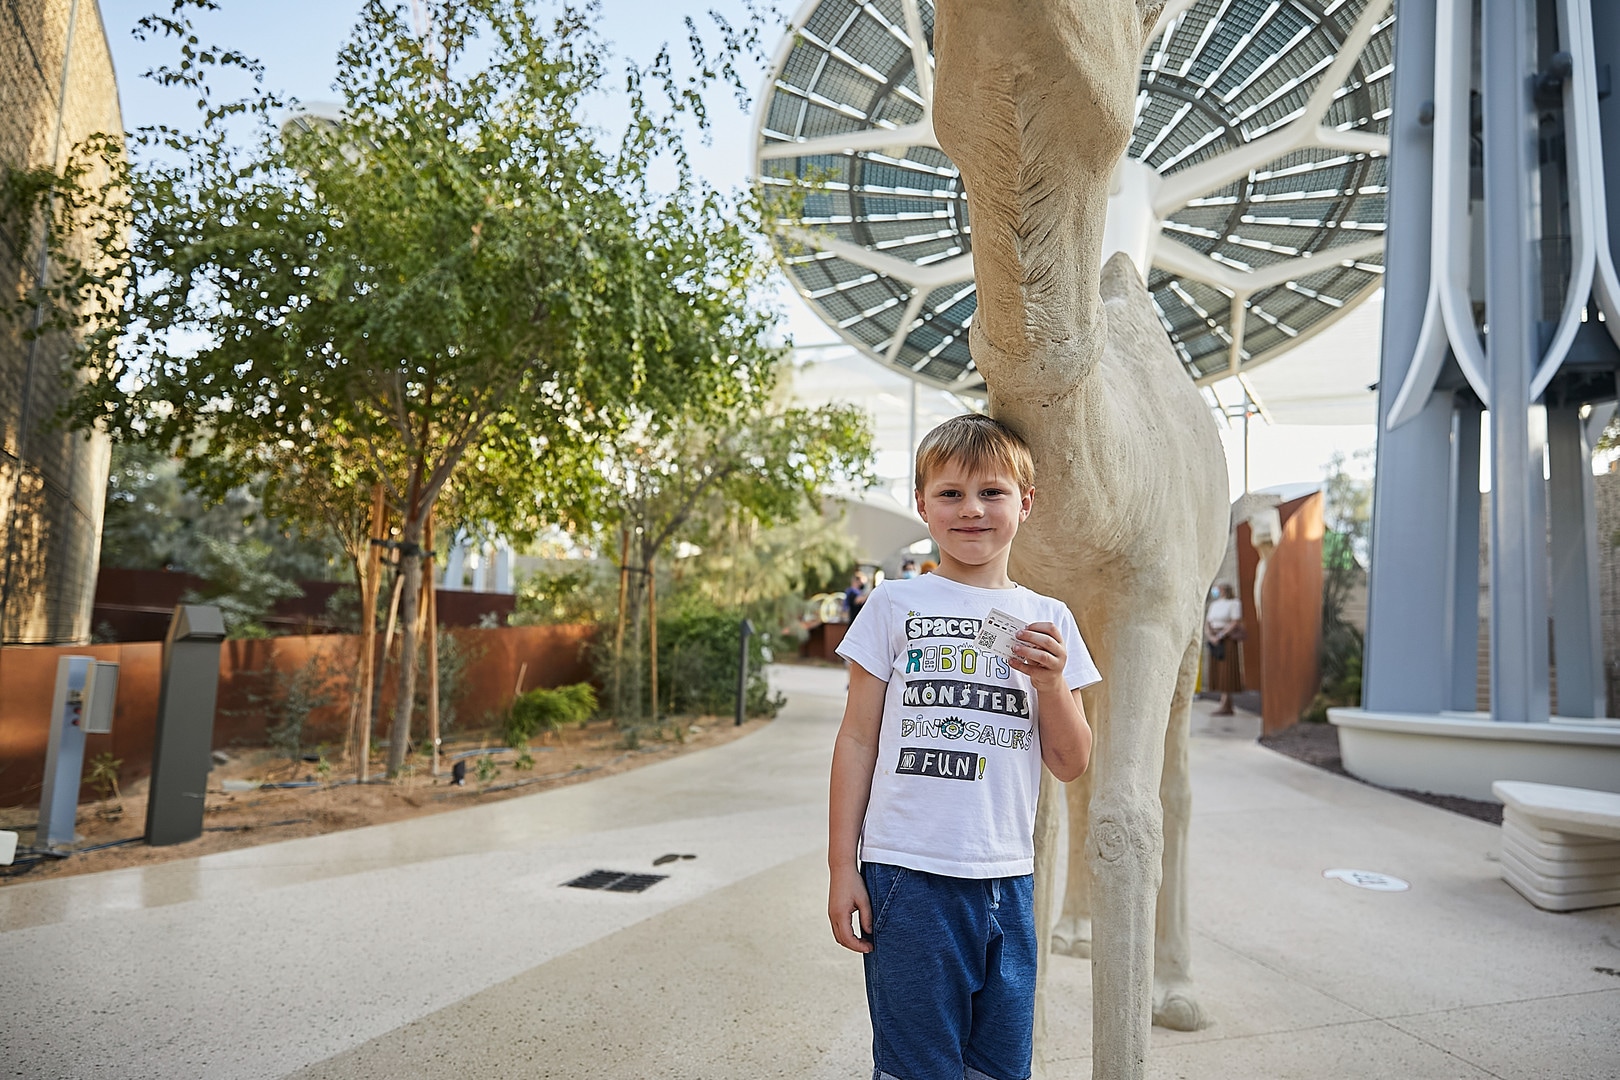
(1368, 879)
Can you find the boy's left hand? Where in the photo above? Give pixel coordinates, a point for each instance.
(1040, 655)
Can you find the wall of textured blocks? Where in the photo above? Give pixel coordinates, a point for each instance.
(57, 87)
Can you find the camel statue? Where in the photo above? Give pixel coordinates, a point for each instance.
(1034, 103)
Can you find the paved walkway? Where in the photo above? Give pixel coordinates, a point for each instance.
(444, 946)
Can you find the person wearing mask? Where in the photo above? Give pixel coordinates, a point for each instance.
(854, 596)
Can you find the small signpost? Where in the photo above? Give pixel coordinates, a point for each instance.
(742, 670)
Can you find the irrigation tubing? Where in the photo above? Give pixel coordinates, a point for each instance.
(452, 793)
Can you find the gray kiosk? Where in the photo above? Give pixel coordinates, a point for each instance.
(185, 728)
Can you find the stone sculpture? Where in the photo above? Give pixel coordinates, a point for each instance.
(1265, 533)
(1034, 103)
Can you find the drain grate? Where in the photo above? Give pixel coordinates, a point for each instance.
(615, 881)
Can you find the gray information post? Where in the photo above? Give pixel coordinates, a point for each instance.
(185, 728)
(86, 690)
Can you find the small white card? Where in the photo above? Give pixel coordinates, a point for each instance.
(999, 633)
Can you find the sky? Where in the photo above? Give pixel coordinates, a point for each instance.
(297, 40)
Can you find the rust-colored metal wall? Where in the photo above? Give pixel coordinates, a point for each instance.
(1280, 652)
(546, 655)
(823, 642)
(135, 605)
(1254, 660)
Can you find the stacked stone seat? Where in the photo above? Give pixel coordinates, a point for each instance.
(1560, 845)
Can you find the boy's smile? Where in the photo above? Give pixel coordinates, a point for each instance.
(973, 516)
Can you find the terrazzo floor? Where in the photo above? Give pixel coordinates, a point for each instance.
(445, 946)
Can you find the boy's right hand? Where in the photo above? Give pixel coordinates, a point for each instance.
(845, 897)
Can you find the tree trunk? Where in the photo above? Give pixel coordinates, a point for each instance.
(360, 734)
(387, 647)
(618, 637)
(431, 594)
(632, 674)
(652, 633)
(410, 564)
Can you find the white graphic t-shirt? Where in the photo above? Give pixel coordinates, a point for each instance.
(959, 753)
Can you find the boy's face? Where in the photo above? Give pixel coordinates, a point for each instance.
(972, 515)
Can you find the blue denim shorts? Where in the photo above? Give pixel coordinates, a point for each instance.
(950, 980)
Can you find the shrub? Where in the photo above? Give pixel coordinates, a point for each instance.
(487, 770)
(1340, 690)
(297, 695)
(548, 710)
(103, 778)
(697, 661)
(454, 658)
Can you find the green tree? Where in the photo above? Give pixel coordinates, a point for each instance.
(456, 280)
(692, 476)
(1347, 521)
(249, 559)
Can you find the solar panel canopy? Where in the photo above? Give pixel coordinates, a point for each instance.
(1264, 124)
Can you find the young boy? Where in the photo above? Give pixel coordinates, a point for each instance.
(936, 770)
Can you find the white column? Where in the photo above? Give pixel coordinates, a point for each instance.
(455, 565)
(504, 578)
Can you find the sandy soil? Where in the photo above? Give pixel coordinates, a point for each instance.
(247, 815)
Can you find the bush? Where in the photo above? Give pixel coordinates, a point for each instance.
(548, 710)
(454, 658)
(297, 695)
(1343, 689)
(697, 665)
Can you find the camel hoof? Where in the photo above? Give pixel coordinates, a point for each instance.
(1178, 1010)
(1072, 937)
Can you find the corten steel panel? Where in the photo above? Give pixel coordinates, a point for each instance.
(26, 679)
(823, 642)
(1254, 660)
(135, 605)
(458, 607)
(52, 482)
(1291, 622)
(553, 655)
(1280, 650)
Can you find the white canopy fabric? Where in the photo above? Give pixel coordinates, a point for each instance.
(880, 524)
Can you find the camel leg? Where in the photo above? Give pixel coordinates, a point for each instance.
(1175, 1004)
(1126, 844)
(1046, 834)
(1072, 935)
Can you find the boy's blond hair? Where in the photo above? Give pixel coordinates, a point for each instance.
(977, 443)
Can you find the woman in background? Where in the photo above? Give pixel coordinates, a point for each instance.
(1223, 636)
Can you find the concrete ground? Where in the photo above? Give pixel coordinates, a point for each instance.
(445, 946)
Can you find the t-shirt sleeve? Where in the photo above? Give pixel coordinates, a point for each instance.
(1080, 671)
(869, 641)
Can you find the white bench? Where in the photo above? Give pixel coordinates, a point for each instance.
(1560, 845)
